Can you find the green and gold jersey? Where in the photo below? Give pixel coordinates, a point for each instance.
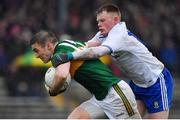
(92, 74)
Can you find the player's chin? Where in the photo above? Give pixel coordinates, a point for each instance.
(45, 61)
(103, 32)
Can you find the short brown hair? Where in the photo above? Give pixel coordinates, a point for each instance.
(42, 36)
(109, 8)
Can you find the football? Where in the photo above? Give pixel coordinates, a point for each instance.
(49, 76)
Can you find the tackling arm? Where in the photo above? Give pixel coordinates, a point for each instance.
(88, 53)
(92, 52)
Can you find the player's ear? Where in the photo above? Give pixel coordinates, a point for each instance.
(49, 45)
(116, 19)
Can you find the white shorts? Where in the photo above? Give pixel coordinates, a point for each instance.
(119, 103)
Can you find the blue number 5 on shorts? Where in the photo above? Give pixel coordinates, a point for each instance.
(157, 97)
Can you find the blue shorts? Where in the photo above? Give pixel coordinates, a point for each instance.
(157, 97)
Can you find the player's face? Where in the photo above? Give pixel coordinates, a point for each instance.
(105, 22)
(44, 53)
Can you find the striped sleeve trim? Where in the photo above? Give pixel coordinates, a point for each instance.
(111, 51)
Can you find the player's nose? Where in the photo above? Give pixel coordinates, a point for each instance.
(99, 25)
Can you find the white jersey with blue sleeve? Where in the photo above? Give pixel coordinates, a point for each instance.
(131, 56)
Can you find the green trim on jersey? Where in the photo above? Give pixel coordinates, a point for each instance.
(92, 74)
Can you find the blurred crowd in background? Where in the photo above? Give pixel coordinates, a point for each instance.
(156, 23)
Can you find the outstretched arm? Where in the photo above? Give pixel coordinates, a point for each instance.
(88, 53)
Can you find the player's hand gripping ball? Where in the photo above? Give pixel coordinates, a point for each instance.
(49, 77)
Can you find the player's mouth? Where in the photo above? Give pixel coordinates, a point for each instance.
(101, 30)
(42, 59)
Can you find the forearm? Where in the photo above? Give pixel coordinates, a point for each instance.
(55, 88)
(57, 85)
(89, 53)
(61, 74)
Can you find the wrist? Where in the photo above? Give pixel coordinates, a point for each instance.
(70, 56)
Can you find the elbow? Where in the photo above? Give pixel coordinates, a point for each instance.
(93, 53)
(96, 52)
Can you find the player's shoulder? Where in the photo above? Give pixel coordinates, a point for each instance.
(66, 42)
(120, 27)
(72, 42)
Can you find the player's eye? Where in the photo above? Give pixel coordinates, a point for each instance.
(35, 50)
(102, 20)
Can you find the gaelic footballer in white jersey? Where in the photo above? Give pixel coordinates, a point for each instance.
(150, 81)
(135, 60)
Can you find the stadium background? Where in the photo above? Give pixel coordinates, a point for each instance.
(22, 93)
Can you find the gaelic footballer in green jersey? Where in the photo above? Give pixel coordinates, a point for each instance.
(92, 74)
